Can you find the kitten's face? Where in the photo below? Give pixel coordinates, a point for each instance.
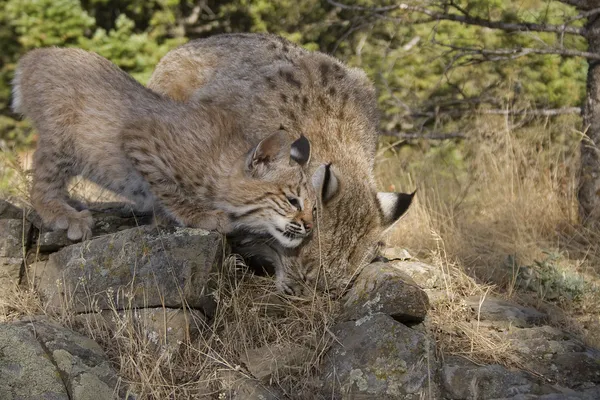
(279, 199)
(289, 209)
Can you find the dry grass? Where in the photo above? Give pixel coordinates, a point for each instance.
(489, 211)
(492, 211)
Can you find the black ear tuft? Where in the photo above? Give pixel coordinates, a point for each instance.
(394, 205)
(300, 151)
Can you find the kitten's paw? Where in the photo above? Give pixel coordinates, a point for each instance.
(78, 225)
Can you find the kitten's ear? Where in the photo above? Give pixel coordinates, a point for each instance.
(300, 151)
(394, 205)
(325, 182)
(265, 152)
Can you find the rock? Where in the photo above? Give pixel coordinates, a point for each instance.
(237, 386)
(135, 268)
(13, 239)
(267, 361)
(10, 211)
(40, 359)
(108, 218)
(379, 358)
(165, 328)
(425, 275)
(464, 380)
(505, 313)
(382, 288)
(561, 394)
(27, 371)
(396, 253)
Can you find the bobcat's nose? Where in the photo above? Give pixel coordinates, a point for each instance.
(308, 226)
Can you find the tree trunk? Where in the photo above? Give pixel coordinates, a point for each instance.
(589, 172)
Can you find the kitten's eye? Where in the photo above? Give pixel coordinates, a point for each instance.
(294, 202)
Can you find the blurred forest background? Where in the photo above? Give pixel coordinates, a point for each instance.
(424, 88)
(484, 120)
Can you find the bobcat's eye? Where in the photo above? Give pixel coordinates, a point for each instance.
(294, 202)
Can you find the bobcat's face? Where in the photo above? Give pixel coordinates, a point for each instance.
(289, 211)
(349, 228)
(278, 197)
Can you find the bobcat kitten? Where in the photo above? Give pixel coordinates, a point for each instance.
(96, 121)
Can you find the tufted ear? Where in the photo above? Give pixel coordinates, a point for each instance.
(264, 153)
(394, 205)
(300, 151)
(325, 182)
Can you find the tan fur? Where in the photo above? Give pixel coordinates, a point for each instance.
(96, 121)
(268, 81)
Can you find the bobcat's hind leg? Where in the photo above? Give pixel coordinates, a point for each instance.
(50, 198)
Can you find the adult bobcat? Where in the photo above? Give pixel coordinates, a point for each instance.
(267, 81)
(95, 120)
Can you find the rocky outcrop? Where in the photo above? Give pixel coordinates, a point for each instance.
(379, 357)
(384, 288)
(40, 359)
(137, 267)
(161, 283)
(14, 237)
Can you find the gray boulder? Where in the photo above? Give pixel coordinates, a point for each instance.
(135, 268)
(383, 288)
(14, 235)
(463, 380)
(505, 313)
(42, 360)
(377, 357)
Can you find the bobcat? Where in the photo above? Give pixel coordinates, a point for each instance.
(266, 80)
(188, 159)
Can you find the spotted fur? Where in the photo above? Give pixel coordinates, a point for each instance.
(187, 159)
(266, 81)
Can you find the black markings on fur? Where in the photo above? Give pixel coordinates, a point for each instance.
(338, 72)
(272, 46)
(292, 115)
(304, 103)
(325, 67)
(301, 150)
(290, 78)
(296, 98)
(326, 179)
(331, 91)
(270, 82)
(323, 104)
(283, 97)
(404, 201)
(285, 48)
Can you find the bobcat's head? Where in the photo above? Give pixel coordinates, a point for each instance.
(275, 196)
(349, 225)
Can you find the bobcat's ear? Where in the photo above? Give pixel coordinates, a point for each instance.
(325, 182)
(394, 205)
(265, 152)
(300, 151)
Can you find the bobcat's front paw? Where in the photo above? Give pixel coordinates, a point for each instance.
(78, 225)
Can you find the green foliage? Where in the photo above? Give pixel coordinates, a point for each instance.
(552, 281)
(408, 60)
